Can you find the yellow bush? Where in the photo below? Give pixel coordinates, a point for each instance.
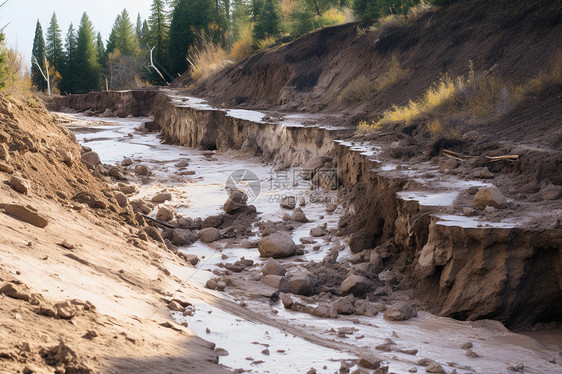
(207, 58)
(266, 43)
(242, 48)
(393, 75)
(332, 17)
(356, 90)
(18, 80)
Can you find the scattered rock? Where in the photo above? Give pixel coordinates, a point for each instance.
(141, 169)
(221, 352)
(550, 192)
(175, 306)
(5, 167)
(211, 284)
(91, 159)
(318, 231)
(344, 305)
(66, 244)
(127, 189)
(448, 164)
(239, 265)
(409, 351)
(209, 235)
(126, 162)
(182, 164)
(154, 233)
(277, 245)
(162, 197)
(272, 280)
(19, 184)
(287, 300)
(482, 173)
(65, 310)
(518, 367)
(299, 216)
(273, 267)
(15, 291)
(355, 284)
(400, 312)
(25, 213)
(331, 207)
(369, 361)
(181, 237)
(435, 367)
(121, 199)
(164, 214)
(191, 258)
(288, 202)
(213, 221)
(235, 201)
(302, 283)
(489, 196)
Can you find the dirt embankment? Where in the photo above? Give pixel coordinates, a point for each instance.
(79, 291)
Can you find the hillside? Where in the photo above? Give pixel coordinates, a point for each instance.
(401, 59)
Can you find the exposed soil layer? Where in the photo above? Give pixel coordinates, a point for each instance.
(79, 291)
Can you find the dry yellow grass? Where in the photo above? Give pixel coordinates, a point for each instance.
(356, 90)
(242, 48)
(206, 59)
(393, 75)
(18, 80)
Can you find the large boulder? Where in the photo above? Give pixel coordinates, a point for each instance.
(162, 197)
(277, 245)
(400, 312)
(235, 201)
(288, 202)
(164, 214)
(19, 184)
(489, 196)
(25, 213)
(209, 235)
(301, 283)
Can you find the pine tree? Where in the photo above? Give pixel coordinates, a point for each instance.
(145, 35)
(267, 23)
(138, 28)
(123, 36)
(159, 28)
(68, 73)
(100, 50)
(54, 50)
(38, 53)
(189, 17)
(87, 67)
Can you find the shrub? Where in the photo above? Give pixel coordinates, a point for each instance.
(242, 48)
(393, 75)
(356, 90)
(267, 42)
(206, 58)
(16, 74)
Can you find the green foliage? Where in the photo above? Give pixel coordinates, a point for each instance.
(267, 22)
(69, 70)
(368, 9)
(87, 66)
(123, 37)
(38, 52)
(188, 17)
(54, 50)
(100, 50)
(443, 2)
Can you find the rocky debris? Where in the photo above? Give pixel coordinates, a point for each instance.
(91, 159)
(65, 310)
(277, 245)
(213, 221)
(301, 282)
(369, 361)
(189, 257)
(273, 267)
(164, 214)
(89, 199)
(127, 189)
(182, 163)
(312, 166)
(66, 244)
(436, 368)
(126, 162)
(288, 202)
(5, 167)
(481, 173)
(176, 306)
(121, 199)
(25, 213)
(181, 237)
(140, 206)
(287, 300)
(239, 265)
(355, 284)
(299, 216)
(235, 201)
(64, 357)
(4, 153)
(185, 223)
(221, 352)
(209, 235)
(141, 169)
(344, 305)
(161, 197)
(19, 184)
(489, 196)
(153, 233)
(448, 164)
(272, 280)
(519, 367)
(331, 207)
(15, 291)
(211, 284)
(401, 311)
(307, 240)
(319, 231)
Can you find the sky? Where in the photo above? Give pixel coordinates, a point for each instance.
(22, 16)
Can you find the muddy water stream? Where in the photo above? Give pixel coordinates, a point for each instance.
(265, 337)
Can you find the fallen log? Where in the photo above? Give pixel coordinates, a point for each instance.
(165, 224)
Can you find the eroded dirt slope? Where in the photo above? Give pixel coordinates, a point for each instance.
(79, 292)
